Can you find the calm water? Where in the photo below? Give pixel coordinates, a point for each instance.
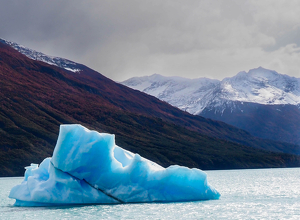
(245, 194)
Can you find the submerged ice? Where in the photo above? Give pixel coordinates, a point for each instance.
(88, 168)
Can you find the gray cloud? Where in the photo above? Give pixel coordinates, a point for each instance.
(192, 38)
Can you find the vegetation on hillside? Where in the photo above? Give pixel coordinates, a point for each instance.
(35, 98)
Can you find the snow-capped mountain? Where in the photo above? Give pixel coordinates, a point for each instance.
(261, 101)
(37, 97)
(259, 85)
(35, 55)
(183, 93)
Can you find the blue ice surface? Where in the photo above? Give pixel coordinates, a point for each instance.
(87, 167)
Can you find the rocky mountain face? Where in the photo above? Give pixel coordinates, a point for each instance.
(36, 97)
(260, 101)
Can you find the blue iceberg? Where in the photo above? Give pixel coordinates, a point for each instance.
(87, 167)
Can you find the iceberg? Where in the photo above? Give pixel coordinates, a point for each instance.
(87, 167)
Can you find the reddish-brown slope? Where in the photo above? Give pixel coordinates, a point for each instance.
(35, 98)
(140, 103)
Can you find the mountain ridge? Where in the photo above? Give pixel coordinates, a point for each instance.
(258, 85)
(39, 56)
(37, 97)
(263, 91)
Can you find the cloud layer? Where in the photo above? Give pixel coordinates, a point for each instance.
(191, 38)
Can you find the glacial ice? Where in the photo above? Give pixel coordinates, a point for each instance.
(87, 167)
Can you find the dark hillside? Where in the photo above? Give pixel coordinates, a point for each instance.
(275, 122)
(35, 98)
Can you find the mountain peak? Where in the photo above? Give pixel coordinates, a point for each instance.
(258, 85)
(258, 74)
(263, 74)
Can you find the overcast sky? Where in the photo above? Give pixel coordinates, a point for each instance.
(190, 38)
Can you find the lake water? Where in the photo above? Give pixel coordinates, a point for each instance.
(245, 194)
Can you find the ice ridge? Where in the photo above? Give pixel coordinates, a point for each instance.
(87, 167)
